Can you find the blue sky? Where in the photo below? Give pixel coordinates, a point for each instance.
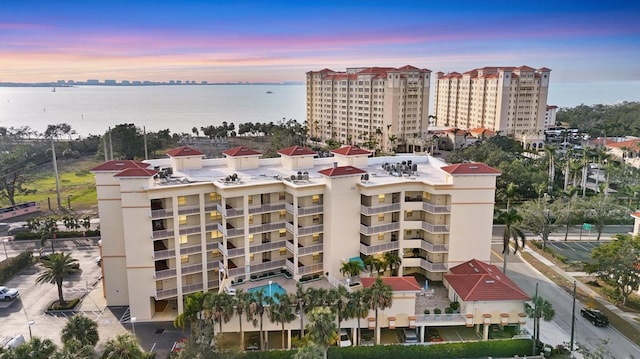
(281, 40)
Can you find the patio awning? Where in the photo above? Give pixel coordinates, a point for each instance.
(357, 259)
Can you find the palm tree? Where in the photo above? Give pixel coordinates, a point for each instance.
(550, 152)
(358, 308)
(338, 303)
(35, 348)
(391, 261)
(322, 328)
(81, 328)
(570, 195)
(280, 311)
(510, 218)
(255, 308)
(221, 307)
(240, 303)
(73, 349)
(379, 296)
(193, 306)
(511, 192)
(123, 346)
(303, 301)
(57, 267)
(350, 268)
(541, 308)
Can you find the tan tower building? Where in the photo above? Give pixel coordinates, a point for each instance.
(508, 100)
(373, 107)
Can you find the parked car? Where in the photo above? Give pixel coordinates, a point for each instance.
(433, 335)
(409, 336)
(13, 230)
(344, 341)
(594, 316)
(8, 294)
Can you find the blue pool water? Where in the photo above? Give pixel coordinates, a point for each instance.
(275, 288)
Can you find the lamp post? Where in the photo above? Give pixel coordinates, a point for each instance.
(348, 282)
(133, 325)
(4, 244)
(270, 282)
(31, 322)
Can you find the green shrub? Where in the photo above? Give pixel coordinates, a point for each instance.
(437, 311)
(426, 311)
(12, 266)
(448, 310)
(454, 305)
(21, 236)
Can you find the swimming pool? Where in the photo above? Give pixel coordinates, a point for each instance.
(268, 292)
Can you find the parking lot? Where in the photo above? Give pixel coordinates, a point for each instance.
(575, 251)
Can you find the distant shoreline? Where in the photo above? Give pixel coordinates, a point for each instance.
(54, 84)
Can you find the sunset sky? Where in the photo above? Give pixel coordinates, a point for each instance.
(255, 41)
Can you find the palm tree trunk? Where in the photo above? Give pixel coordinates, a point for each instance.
(283, 348)
(504, 263)
(376, 329)
(241, 331)
(359, 331)
(261, 335)
(60, 296)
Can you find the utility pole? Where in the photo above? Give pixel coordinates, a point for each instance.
(535, 319)
(573, 314)
(55, 170)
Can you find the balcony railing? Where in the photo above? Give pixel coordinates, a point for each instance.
(165, 273)
(166, 293)
(185, 230)
(213, 284)
(435, 208)
(161, 213)
(277, 264)
(164, 254)
(184, 210)
(315, 248)
(212, 245)
(289, 265)
(161, 234)
(231, 252)
(371, 230)
(304, 230)
(233, 212)
(435, 228)
(368, 211)
(215, 264)
(192, 288)
(191, 249)
(310, 210)
(235, 232)
(235, 272)
(431, 319)
(213, 206)
(312, 268)
(263, 247)
(385, 247)
(192, 268)
(267, 227)
(432, 267)
(265, 208)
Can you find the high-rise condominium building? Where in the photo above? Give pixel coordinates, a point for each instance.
(508, 100)
(186, 224)
(373, 107)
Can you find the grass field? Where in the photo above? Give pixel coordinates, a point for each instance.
(77, 186)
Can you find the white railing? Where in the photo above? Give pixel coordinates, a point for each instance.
(317, 228)
(385, 247)
(312, 268)
(290, 267)
(165, 233)
(314, 248)
(234, 232)
(310, 210)
(165, 273)
(166, 293)
(434, 248)
(435, 228)
(192, 288)
(164, 254)
(436, 208)
(432, 267)
(267, 208)
(290, 247)
(368, 231)
(161, 213)
(267, 227)
(211, 206)
(192, 268)
(223, 249)
(234, 212)
(430, 319)
(234, 272)
(189, 230)
(267, 246)
(371, 210)
(191, 249)
(277, 264)
(188, 209)
(211, 265)
(236, 252)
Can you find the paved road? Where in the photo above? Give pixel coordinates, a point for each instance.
(558, 330)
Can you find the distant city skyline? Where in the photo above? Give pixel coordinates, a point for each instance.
(252, 41)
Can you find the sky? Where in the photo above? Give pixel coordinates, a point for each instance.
(257, 41)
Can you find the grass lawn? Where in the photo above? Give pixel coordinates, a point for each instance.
(77, 185)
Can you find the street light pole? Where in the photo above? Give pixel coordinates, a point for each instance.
(535, 319)
(30, 323)
(133, 325)
(573, 314)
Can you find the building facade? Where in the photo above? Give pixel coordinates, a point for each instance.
(374, 107)
(184, 224)
(511, 101)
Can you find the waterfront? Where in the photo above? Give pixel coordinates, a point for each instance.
(93, 109)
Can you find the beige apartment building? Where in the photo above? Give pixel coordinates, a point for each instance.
(184, 224)
(372, 107)
(511, 101)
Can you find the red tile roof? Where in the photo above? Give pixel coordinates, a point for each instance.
(628, 143)
(408, 67)
(341, 171)
(241, 151)
(350, 151)
(119, 165)
(296, 151)
(481, 130)
(184, 151)
(398, 284)
(478, 281)
(525, 68)
(470, 169)
(544, 69)
(636, 215)
(136, 172)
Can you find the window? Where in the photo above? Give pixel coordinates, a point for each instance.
(283, 214)
(283, 251)
(184, 239)
(381, 217)
(315, 237)
(214, 197)
(250, 238)
(184, 259)
(316, 218)
(250, 199)
(409, 213)
(282, 196)
(381, 198)
(183, 220)
(282, 233)
(251, 219)
(316, 256)
(216, 234)
(182, 200)
(251, 258)
(315, 198)
(380, 236)
(215, 216)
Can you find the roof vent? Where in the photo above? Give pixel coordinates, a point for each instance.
(489, 281)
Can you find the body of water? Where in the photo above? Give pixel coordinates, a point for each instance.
(93, 109)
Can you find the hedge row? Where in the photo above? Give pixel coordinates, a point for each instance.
(13, 265)
(67, 234)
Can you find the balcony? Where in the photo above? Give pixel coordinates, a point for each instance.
(277, 264)
(192, 288)
(166, 293)
(433, 267)
(161, 213)
(195, 248)
(232, 252)
(192, 268)
(231, 231)
(164, 254)
(162, 234)
(304, 250)
(371, 230)
(215, 264)
(229, 211)
(267, 227)
(208, 207)
(307, 269)
(184, 210)
(185, 230)
(304, 230)
(368, 211)
(426, 245)
(435, 228)
(435, 208)
(235, 272)
(264, 247)
(165, 273)
(440, 319)
(265, 208)
(304, 211)
(385, 247)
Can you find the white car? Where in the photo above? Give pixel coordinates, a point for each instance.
(8, 294)
(344, 339)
